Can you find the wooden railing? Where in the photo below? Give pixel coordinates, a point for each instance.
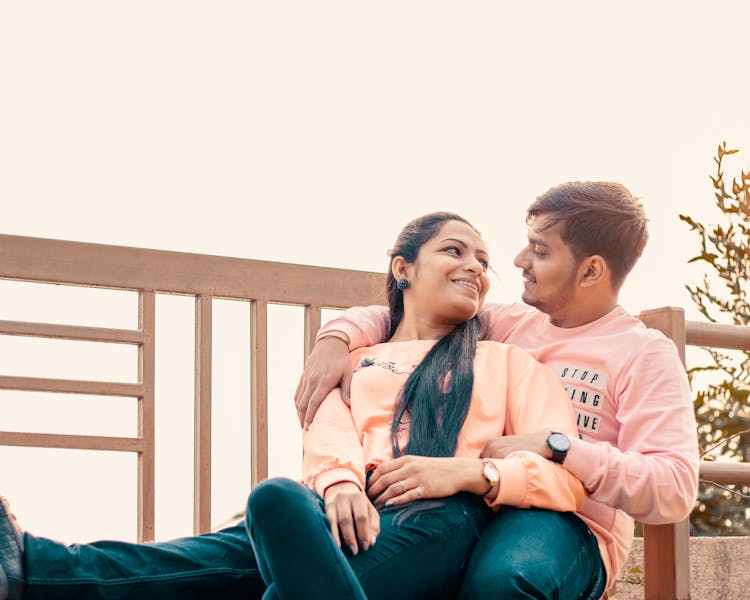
(152, 272)
(666, 547)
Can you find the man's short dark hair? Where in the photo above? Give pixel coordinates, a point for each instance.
(598, 217)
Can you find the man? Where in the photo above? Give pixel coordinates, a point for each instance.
(637, 453)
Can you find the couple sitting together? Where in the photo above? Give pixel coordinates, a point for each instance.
(451, 450)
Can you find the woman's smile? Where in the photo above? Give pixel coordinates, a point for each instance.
(469, 284)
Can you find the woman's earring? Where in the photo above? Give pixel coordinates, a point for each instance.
(402, 284)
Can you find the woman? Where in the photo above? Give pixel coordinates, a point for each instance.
(457, 393)
(395, 479)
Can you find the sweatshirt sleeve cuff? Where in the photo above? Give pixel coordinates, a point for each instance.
(326, 479)
(514, 483)
(583, 460)
(339, 328)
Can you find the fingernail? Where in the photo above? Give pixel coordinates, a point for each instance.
(372, 541)
(353, 549)
(306, 425)
(389, 502)
(365, 545)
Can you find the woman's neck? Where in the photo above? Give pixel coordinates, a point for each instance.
(414, 328)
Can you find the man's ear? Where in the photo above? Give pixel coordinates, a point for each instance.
(593, 270)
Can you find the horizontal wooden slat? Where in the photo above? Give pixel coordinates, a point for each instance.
(74, 442)
(726, 473)
(71, 332)
(733, 337)
(121, 267)
(71, 386)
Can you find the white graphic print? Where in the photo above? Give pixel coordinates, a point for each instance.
(587, 421)
(585, 388)
(583, 397)
(583, 376)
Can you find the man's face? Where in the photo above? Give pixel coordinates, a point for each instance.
(549, 268)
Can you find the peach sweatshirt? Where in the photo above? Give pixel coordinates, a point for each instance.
(636, 452)
(342, 443)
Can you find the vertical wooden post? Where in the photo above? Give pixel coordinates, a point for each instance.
(666, 559)
(259, 390)
(670, 321)
(202, 423)
(666, 548)
(312, 324)
(146, 418)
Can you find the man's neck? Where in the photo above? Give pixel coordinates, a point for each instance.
(578, 316)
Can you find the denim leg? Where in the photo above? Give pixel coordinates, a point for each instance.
(422, 549)
(297, 555)
(214, 565)
(533, 553)
(419, 553)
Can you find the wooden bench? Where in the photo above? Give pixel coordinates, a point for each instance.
(666, 547)
(152, 272)
(260, 284)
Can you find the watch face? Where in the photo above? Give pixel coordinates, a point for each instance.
(490, 473)
(559, 442)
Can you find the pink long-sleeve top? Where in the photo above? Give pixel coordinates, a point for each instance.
(636, 452)
(342, 443)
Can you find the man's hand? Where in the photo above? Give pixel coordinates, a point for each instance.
(327, 366)
(501, 446)
(354, 520)
(409, 478)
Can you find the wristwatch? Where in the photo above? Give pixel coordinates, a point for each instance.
(559, 443)
(491, 474)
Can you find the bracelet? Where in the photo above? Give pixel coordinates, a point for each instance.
(339, 335)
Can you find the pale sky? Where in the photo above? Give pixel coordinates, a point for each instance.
(311, 132)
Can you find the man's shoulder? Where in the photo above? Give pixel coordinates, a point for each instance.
(494, 351)
(628, 339)
(630, 327)
(513, 309)
(500, 319)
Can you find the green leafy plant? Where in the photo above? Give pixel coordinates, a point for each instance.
(722, 407)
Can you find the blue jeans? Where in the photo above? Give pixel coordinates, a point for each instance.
(534, 553)
(420, 552)
(411, 559)
(216, 565)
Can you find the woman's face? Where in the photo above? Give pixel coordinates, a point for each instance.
(448, 280)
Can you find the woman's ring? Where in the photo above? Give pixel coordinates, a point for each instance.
(403, 485)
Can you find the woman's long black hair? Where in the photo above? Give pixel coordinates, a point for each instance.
(435, 398)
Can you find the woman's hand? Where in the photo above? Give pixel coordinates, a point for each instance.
(354, 520)
(410, 478)
(327, 366)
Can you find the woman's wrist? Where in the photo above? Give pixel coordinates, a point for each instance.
(341, 485)
(491, 475)
(472, 476)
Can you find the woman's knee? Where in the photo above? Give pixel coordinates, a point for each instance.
(273, 498)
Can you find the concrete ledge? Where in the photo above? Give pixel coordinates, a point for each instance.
(719, 568)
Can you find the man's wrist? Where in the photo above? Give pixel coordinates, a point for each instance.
(333, 335)
(558, 444)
